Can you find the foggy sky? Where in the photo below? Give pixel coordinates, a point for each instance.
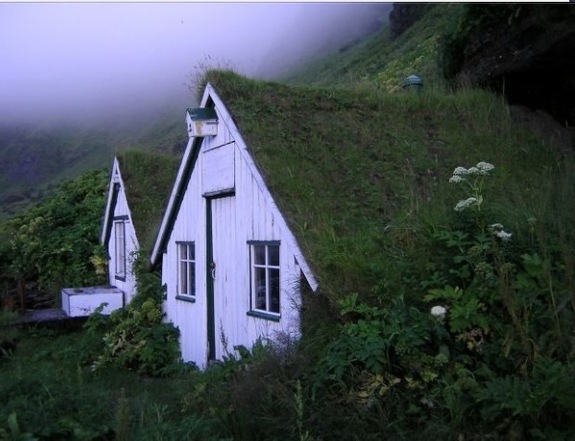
(81, 60)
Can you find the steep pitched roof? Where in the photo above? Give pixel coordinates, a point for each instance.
(360, 174)
(321, 155)
(147, 179)
(347, 167)
(324, 156)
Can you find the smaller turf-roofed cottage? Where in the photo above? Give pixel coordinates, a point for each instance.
(230, 264)
(139, 183)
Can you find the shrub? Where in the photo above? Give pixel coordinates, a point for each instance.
(137, 339)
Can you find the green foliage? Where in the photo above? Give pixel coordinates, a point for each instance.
(9, 334)
(43, 393)
(137, 339)
(497, 364)
(381, 339)
(513, 312)
(48, 394)
(255, 395)
(53, 243)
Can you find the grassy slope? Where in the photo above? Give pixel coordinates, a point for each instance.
(57, 397)
(378, 62)
(361, 173)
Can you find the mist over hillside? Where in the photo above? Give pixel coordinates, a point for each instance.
(102, 62)
(325, 37)
(73, 94)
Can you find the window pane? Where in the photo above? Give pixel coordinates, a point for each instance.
(274, 290)
(183, 278)
(259, 254)
(260, 288)
(120, 248)
(192, 251)
(192, 279)
(273, 255)
(183, 251)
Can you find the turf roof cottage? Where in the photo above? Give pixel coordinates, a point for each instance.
(230, 264)
(119, 236)
(137, 189)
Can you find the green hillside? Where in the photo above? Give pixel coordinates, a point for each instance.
(379, 62)
(35, 158)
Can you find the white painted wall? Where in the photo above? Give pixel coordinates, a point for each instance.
(121, 210)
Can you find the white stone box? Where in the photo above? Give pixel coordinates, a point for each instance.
(81, 302)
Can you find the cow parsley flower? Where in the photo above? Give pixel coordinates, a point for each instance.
(503, 235)
(438, 311)
(485, 167)
(462, 205)
(472, 182)
(497, 230)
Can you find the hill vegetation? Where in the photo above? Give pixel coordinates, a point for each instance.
(443, 237)
(35, 159)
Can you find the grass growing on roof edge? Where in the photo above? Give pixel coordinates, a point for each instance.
(148, 178)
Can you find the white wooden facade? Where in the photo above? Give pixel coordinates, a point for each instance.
(221, 209)
(119, 236)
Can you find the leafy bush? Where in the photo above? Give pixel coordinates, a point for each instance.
(493, 356)
(137, 339)
(53, 243)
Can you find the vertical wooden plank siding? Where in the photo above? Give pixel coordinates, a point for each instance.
(227, 299)
(190, 318)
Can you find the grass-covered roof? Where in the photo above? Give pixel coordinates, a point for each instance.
(148, 179)
(358, 172)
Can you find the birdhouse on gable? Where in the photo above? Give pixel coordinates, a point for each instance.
(202, 121)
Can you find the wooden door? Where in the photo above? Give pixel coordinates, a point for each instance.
(221, 264)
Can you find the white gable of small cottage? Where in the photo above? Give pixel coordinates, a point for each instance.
(119, 236)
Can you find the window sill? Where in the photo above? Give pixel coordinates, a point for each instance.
(264, 315)
(188, 299)
(120, 278)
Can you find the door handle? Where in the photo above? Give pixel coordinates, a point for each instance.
(213, 268)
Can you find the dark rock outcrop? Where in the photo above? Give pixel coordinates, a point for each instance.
(526, 52)
(523, 51)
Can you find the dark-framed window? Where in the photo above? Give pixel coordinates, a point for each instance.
(186, 288)
(265, 277)
(120, 249)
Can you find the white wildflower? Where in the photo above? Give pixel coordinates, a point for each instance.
(462, 205)
(460, 171)
(497, 230)
(485, 167)
(438, 311)
(503, 235)
(473, 171)
(455, 179)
